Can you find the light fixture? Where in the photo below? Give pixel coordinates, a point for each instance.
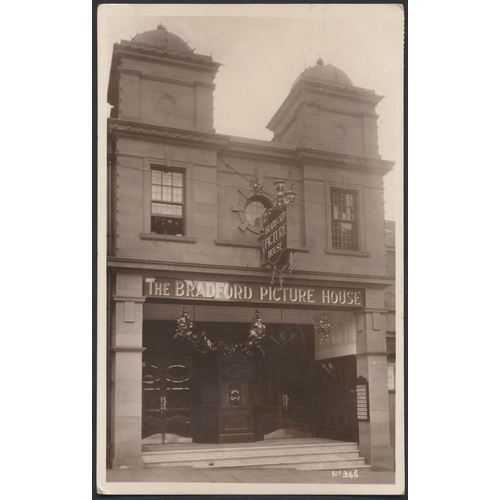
(290, 195)
(284, 197)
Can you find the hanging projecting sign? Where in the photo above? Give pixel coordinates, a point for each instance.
(183, 289)
(274, 237)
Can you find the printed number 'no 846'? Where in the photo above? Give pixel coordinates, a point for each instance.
(344, 473)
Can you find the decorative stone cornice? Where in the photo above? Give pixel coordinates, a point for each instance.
(336, 111)
(357, 92)
(299, 91)
(257, 149)
(256, 274)
(129, 71)
(156, 78)
(158, 132)
(244, 244)
(159, 52)
(125, 298)
(269, 154)
(383, 166)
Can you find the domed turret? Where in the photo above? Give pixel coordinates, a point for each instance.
(155, 75)
(324, 110)
(162, 38)
(325, 74)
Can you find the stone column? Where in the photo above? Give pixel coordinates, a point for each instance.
(126, 373)
(371, 362)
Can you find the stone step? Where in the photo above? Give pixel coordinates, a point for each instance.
(218, 453)
(258, 460)
(355, 463)
(315, 455)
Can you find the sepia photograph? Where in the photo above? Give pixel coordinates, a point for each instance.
(250, 274)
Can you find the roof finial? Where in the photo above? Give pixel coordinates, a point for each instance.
(319, 62)
(161, 27)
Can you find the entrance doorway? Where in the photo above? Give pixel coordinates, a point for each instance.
(335, 399)
(285, 380)
(229, 396)
(167, 382)
(166, 403)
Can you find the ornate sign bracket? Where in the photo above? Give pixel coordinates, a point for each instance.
(275, 233)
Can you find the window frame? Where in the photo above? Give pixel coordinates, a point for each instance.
(183, 168)
(359, 225)
(182, 204)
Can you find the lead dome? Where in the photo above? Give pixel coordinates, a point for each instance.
(325, 74)
(160, 37)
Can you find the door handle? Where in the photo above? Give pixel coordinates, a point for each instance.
(285, 401)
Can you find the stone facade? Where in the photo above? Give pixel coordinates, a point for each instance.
(325, 137)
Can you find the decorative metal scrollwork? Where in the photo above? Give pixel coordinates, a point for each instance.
(202, 343)
(252, 345)
(278, 270)
(329, 368)
(262, 220)
(184, 326)
(256, 336)
(227, 348)
(324, 330)
(184, 329)
(256, 186)
(284, 338)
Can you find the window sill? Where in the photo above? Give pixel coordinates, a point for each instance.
(244, 244)
(168, 237)
(229, 243)
(352, 253)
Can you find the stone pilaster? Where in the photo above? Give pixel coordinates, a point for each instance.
(126, 372)
(371, 363)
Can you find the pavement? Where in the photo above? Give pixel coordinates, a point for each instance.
(249, 475)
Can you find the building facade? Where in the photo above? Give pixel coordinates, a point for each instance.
(206, 340)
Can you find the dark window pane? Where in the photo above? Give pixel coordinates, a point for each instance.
(343, 208)
(166, 225)
(166, 202)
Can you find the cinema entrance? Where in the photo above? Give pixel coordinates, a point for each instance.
(216, 389)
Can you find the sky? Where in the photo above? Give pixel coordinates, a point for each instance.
(264, 48)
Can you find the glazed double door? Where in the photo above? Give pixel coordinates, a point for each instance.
(223, 400)
(285, 394)
(166, 398)
(234, 399)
